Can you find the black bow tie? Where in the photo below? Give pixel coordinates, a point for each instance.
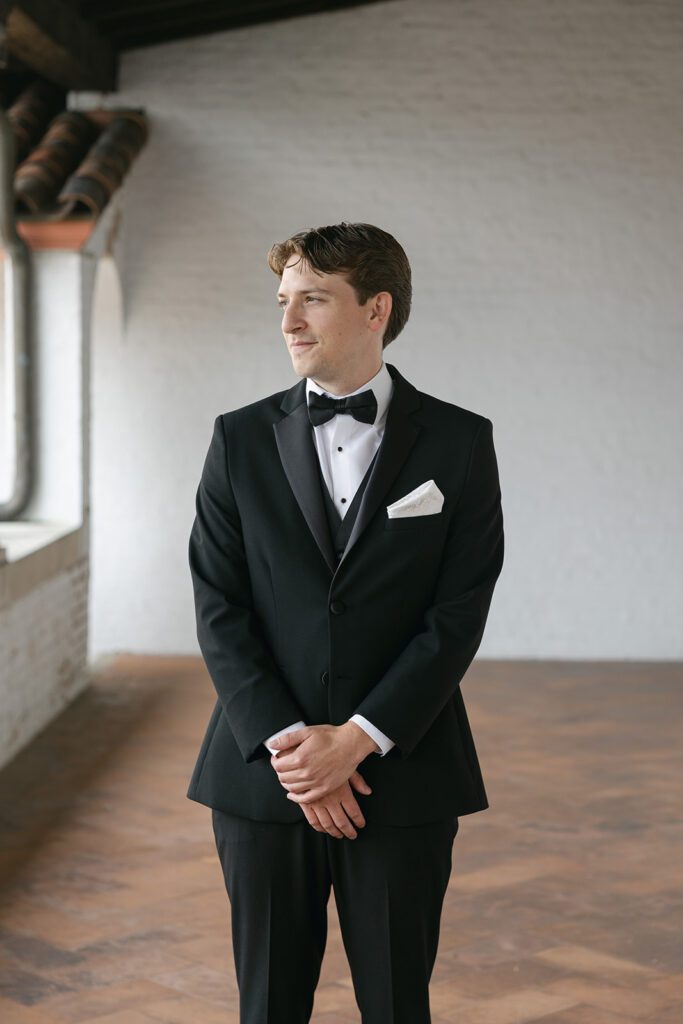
(322, 408)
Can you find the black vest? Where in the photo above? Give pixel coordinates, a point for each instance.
(340, 529)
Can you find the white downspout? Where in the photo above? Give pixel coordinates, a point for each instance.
(16, 402)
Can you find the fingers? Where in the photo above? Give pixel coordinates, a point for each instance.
(359, 783)
(334, 821)
(294, 780)
(310, 796)
(301, 781)
(285, 760)
(336, 815)
(312, 818)
(321, 821)
(302, 792)
(353, 810)
(291, 739)
(299, 787)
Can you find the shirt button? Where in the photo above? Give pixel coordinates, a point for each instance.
(340, 449)
(343, 501)
(337, 607)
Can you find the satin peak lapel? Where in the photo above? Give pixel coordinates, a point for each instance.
(300, 463)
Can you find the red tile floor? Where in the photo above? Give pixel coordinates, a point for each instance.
(565, 900)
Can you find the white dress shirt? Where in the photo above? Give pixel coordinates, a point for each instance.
(345, 448)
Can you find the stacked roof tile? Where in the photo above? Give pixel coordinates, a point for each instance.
(68, 162)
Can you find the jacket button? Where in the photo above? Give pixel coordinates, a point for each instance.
(325, 678)
(337, 607)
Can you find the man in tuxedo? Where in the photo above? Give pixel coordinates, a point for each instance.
(347, 541)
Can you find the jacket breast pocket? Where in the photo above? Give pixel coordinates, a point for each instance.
(409, 523)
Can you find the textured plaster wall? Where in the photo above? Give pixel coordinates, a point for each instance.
(528, 156)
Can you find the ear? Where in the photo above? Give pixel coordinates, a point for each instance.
(380, 310)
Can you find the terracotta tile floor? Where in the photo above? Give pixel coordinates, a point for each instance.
(564, 905)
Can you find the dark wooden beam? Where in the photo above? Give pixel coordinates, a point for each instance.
(134, 23)
(55, 42)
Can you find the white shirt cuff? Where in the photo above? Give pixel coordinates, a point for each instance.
(280, 732)
(380, 739)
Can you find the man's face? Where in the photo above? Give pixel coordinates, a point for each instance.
(328, 334)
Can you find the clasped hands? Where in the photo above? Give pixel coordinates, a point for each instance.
(317, 765)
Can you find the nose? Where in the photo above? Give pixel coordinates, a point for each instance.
(292, 319)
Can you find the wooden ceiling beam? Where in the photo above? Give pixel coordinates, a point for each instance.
(103, 11)
(50, 38)
(134, 23)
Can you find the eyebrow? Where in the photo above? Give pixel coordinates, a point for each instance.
(305, 291)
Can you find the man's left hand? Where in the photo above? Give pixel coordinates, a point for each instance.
(316, 760)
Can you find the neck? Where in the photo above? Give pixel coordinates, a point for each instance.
(343, 385)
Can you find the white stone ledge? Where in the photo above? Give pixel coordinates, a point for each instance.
(32, 552)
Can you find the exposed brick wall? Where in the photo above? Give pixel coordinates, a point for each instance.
(43, 648)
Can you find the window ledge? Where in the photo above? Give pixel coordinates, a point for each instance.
(32, 552)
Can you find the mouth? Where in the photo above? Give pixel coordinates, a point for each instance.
(300, 345)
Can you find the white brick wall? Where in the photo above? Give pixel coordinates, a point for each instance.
(43, 648)
(44, 589)
(528, 155)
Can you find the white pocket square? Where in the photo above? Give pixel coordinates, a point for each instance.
(424, 500)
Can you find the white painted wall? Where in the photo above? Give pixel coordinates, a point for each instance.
(44, 584)
(528, 156)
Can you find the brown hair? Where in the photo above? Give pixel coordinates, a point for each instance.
(371, 258)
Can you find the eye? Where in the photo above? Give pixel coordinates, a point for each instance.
(309, 298)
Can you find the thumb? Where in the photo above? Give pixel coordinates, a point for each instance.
(359, 783)
(289, 739)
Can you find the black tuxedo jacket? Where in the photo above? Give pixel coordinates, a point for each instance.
(388, 632)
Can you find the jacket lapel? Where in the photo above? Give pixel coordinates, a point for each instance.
(300, 463)
(293, 435)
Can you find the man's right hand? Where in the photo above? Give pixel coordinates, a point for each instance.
(338, 811)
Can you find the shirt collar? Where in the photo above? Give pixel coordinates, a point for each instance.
(382, 386)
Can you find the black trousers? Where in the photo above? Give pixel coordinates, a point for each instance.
(389, 885)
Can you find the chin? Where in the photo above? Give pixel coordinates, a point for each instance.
(305, 358)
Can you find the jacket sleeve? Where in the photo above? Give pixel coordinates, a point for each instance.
(254, 697)
(417, 685)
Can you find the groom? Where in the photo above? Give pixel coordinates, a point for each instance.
(347, 541)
